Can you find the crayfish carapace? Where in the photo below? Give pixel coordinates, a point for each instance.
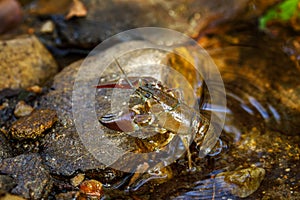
(155, 107)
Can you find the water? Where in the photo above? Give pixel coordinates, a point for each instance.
(261, 130)
(262, 121)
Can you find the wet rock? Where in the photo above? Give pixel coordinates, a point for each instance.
(64, 153)
(32, 126)
(6, 183)
(7, 107)
(5, 147)
(22, 109)
(243, 182)
(25, 62)
(237, 183)
(60, 97)
(47, 27)
(32, 177)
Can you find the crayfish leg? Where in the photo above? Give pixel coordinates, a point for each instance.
(186, 143)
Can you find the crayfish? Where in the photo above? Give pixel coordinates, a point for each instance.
(157, 108)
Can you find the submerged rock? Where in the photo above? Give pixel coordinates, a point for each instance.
(25, 62)
(31, 176)
(243, 182)
(237, 183)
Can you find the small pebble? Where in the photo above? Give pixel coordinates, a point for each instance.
(91, 188)
(288, 169)
(4, 105)
(243, 182)
(47, 27)
(75, 181)
(35, 89)
(22, 109)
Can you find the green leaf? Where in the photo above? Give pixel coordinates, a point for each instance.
(282, 12)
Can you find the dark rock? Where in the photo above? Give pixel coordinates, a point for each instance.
(189, 17)
(32, 177)
(9, 99)
(5, 147)
(65, 154)
(6, 183)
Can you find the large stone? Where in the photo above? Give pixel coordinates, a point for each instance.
(64, 153)
(25, 62)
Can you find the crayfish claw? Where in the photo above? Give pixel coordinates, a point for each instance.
(121, 121)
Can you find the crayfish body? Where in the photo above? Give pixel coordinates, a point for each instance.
(155, 107)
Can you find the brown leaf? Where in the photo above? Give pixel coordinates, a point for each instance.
(77, 9)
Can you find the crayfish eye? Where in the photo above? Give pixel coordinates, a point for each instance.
(148, 95)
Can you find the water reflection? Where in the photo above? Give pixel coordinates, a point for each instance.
(261, 88)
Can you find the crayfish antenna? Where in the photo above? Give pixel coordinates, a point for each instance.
(123, 72)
